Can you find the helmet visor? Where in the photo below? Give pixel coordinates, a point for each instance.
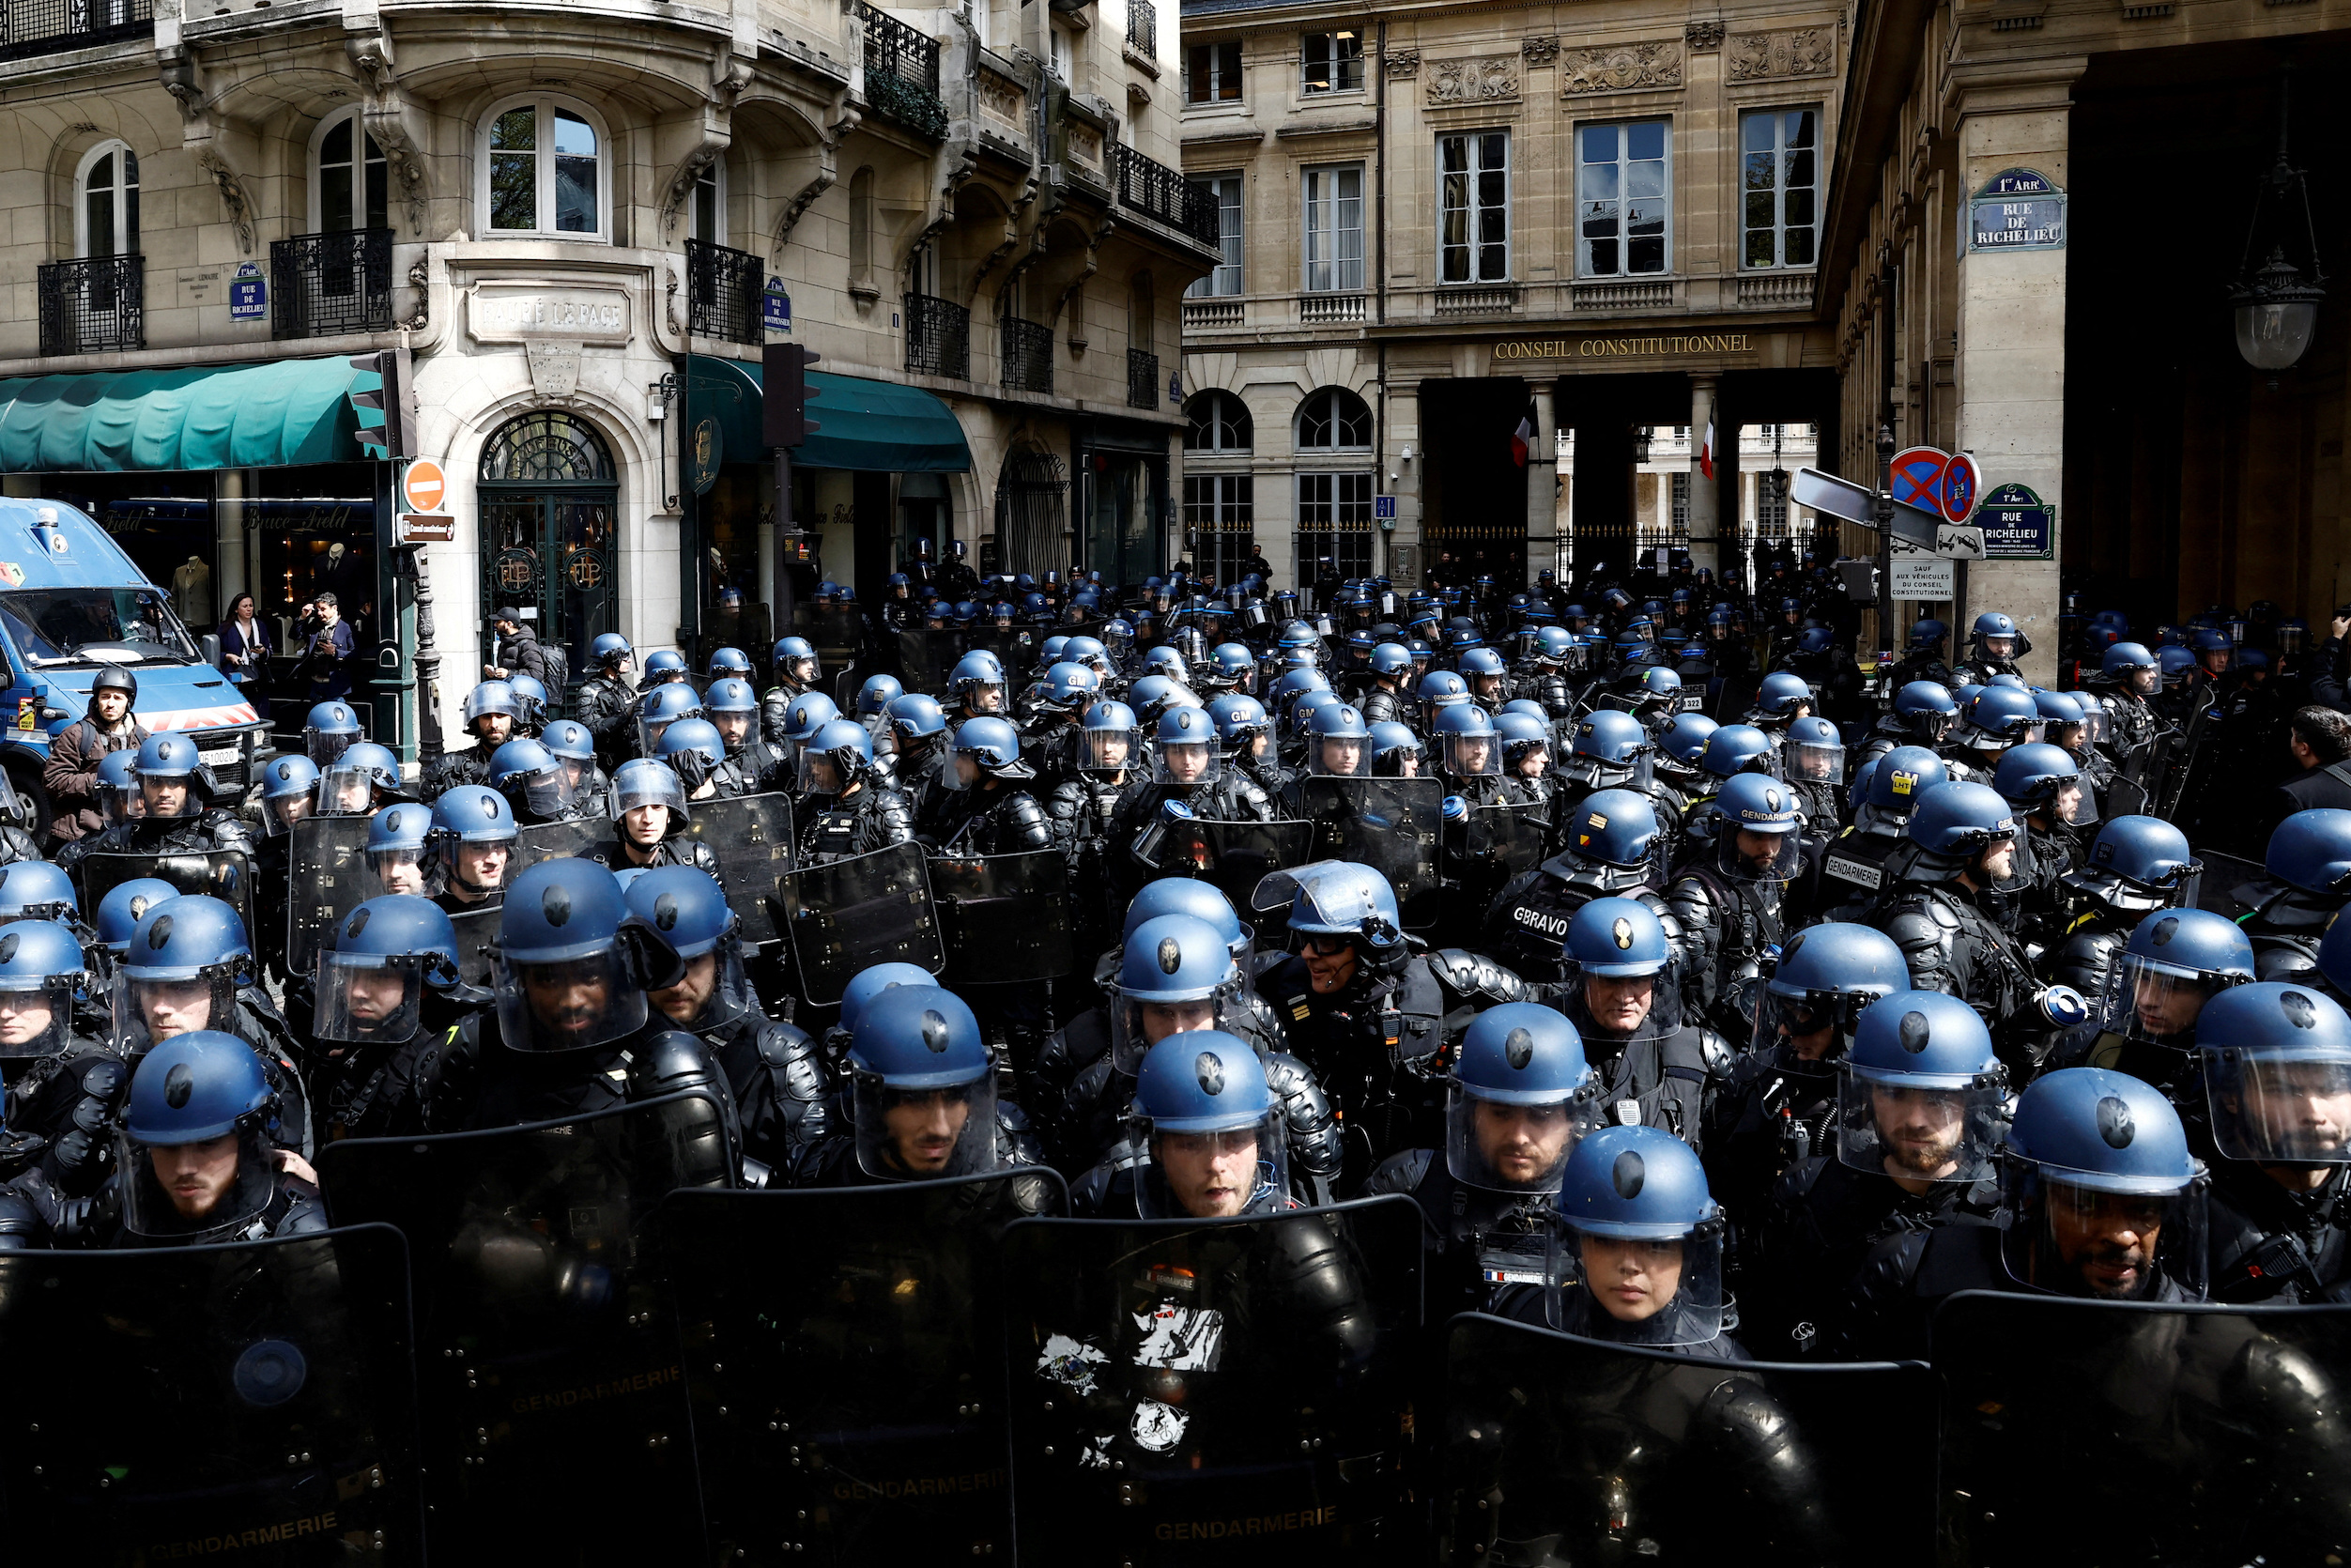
(1917, 1128)
(1139, 1022)
(1612, 1011)
(1812, 762)
(479, 867)
(2096, 724)
(2076, 1238)
(325, 746)
(1185, 763)
(925, 1134)
(366, 997)
(801, 667)
(1516, 1148)
(1745, 856)
(36, 1016)
(169, 794)
(116, 804)
(1659, 1290)
(1811, 1031)
(278, 813)
(568, 1006)
(401, 870)
(150, 1011)
(640, 787)
(1473, 756)
(2147, 999)
(1107, 751)
(1340, 756)
(712, 992)
(1209, 1175)
(347, 790)
(183, 1193)
(2280, 1109)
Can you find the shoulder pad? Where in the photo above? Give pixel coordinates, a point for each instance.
(1399, 1173)
(1468, 974)
(104, 1078)
(671, 1061)
(782, 1045)
(1715, 1052)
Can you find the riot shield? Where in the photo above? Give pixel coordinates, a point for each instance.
(928, 656)
(844, 1353)
(545, 1350)
(538, 841)
(1227, 1392)
(1562, 1450)
(2229, 884)
(1005, 917)
(1498, 844)
(2190, 755)
(476, 929)
(850, 913)
(1235, 856)
(223, 874)
(2125, 797)
(327, 878)
(1391, 824)
(751, 836)
(2117, 1433)
(253, 1401)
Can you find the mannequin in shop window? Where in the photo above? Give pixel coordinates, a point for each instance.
(191, 591)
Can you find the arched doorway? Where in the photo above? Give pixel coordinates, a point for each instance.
(549, 497)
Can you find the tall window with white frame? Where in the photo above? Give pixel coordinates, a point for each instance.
(107, 219)
(1219, 508)
(542, 169)
(1779, 179)
(1334, 502)
(709, 203)
(353, 183)
(1473, 208)
(1330, 63)
(1334, 228)
(1623, 181)
(1225, 277)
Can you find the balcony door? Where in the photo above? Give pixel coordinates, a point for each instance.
(549, 497)
(103, 296)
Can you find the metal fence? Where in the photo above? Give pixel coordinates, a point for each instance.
(96, 303)
(54, 26)
(938, 336)
(1143, 29)
(1143, 379)
(1163, 195)
(324, 284)
(722, 292)
(1027, 356)
(903, 73)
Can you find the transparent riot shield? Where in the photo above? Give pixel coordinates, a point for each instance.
(2117, 1433)
(1005, 917)
(927, 657)
(2125, 797)
(253, 1403)
(1227, 1392)
(1235, 856)
(476, 929)
(1561, 1450)
(538, 841)
(848, 915)
(545, 1347)
(2229, 886)
(1392, 825)
(223, 874)
(327, 878)
(751, 836)
(1483, 856)
(844, 1353)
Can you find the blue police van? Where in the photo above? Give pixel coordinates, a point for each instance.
(71, 604)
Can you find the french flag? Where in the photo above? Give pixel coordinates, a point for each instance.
(1523, 437)
(1706, 450)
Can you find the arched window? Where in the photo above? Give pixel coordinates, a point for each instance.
(1219, 423)
(349, 185)
(106, 202)
(543, 172)
(548, 447)
(547, 500)
(1333, 419)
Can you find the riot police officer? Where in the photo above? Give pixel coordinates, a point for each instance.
(1188, 777)
(1923, 715)
(387, 990)
(1613, 848)
(1923, 658)
(660, 707)
(1384, 699)
(1624, 995)
(2308, 862)
(753, 765)
(694, 750)
(1814, 756)
(1526, 741)
(54, 1066)
(1083, 806)
(493, 714)
(2137, 736)
(329, 729)
(795, 664)
(1209, 1134)
(1993, 647)
(570, 743)
(848, 808)
(1245, 734)
(1992, 722)
(535, 784)
(201, 1159)
(976, 688)
(607, 701)
(475, 833)
(2175, 962)
(2043, 786)
(189, 967)
(923, 1103)
(2134, 864)
(362, 781)
(650, 818)
(1732, 906)
(987, 812)
(174, 793)
(1637, 1247)
(2277, 1076)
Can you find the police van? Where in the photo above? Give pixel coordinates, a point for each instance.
(71, 604)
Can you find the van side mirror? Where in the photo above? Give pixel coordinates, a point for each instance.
(210, 644)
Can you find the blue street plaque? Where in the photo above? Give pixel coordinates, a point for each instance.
(2018, 525)
(1383, 506)
(775, 306)
(2017, 209)
(1175, 386)
(248, 293)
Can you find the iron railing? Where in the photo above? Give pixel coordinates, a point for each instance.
(53, 26)
(722, 293)
(321, 285)
(1143, 29)
(1163, 195)
(938, 336)
(902, 73)
(1028, 356)
(97, 302)
(1143, 379)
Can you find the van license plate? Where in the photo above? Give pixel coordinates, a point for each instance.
(220, 754)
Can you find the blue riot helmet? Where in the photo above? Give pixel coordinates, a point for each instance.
(726, 663)
(870, 982)
(173, 779)
(1610, 749)
(977, 683)
(1307, 705)
(611, 652)
(1963, 695)
(806, 714)
(1681, 745)
(1395, 751)
(877, 693)
(331, 727)
(659, 708)
(2213, 649)
(37, 890)
(1995, 637)
(2040, 779)
(187, 957)
(1899, 780)
(532, 698)
(1440, 689)
(2277, 1073)
(1165, 661)
(1520, 1096)
(1815, 998)
(835, 757)
(1758, 830)
(364, 777)
(2311, 850)
(377, 963)
(189, 1092)
(1110, 739)
(2066, 718)
(570, 741)
(1612, 842)
(117, 787)
(1619, 988)
(990, 746)
(399, 852)
(1340, 743)
(485, 705)
(2175, 962)
(533, 780)
(796, 662)
(2100, 1195)
(1920, 1091)
(1068, 688)
(1483, 670)
(1333, 898)
(123, 905)
(2132, 667)
(1635, 1241)
(570, 957)
(1737, 748)
(1210, 1127)
(1959, 826)
(1528, 706)
(687, 909)
(1468, 746)
(918, 728)
(1053, 649)
(1185, 747)
(1201, 901)
(475, 830)
(1926, 711)
(1782, 696)
(41, 972)
(1243, 727)
(665, 666)
(289, 787)
(732, 708)
(1392, 661)
(1230, 666)
(922, 1087)
(1928, 635)
(2000, 717)
(648, 801)
(1648, 688)
(1525, 742)
(1176, 973)
(2138, 863)
(1816, 752)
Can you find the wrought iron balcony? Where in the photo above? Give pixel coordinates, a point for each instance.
(1162, 194)
(95, 303)
(938, 336)
(1143, 29)
(321, 285)
(1027, 353)
(722, 293)
(1143, 379)
(902, 73)
(30, 27)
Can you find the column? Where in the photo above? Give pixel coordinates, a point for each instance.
(1541, 487)
(1705, 501)
(2010, 373)
(228, 524)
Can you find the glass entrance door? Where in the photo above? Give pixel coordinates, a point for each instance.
(549, 501)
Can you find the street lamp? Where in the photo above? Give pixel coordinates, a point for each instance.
(2277, 309)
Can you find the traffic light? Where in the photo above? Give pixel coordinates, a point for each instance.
(378, 395)
(784, 376)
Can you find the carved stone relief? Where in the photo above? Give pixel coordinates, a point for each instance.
(1623, 67)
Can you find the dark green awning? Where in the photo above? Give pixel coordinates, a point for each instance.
(877, 426)
(251, 416)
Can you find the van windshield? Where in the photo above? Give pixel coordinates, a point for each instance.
(94, 625)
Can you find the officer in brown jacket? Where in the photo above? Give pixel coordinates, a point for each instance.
(71, 774)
